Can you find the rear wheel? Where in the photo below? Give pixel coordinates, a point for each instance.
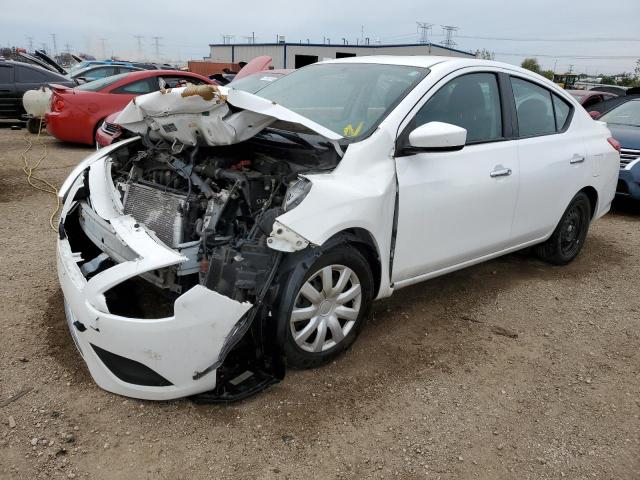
(568, 238)
(325, 306)
(33, 125)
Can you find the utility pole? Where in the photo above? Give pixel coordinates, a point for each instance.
(67, 47)
(571, 68)
(30, 41)
(55, 45)
(424, 29)
(139, 40)
(448, 31)
(156, 43)
(104, 48)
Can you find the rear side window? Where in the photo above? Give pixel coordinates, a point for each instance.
(146, 85)
(539, 111)
(470, 101)
(6, 74)
(179, 81)
(534, 108)
(30, 75)
(562, 110)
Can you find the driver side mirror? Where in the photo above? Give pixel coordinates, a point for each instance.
(437, 137)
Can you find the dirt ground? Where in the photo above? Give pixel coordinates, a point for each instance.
(432, 389)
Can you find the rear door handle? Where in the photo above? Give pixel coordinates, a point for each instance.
(576, 159)
(501, 172)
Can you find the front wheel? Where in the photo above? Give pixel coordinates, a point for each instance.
(568, 238)
(325, 306)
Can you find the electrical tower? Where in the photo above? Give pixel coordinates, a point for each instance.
(139, 40)
(424, 29)
(55, 45)
(30, 40)
(227, 38)
(156, 44)
(67, 47)
(448, 31)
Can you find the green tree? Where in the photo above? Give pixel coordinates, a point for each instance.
(606, 80)
(547, 74)
(531, 64)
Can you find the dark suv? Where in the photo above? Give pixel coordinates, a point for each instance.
(18, 77)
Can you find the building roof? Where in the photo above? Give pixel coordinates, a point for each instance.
(338, 45)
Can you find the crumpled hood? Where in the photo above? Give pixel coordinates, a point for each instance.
(201, 119)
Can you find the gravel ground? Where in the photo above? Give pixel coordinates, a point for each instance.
(435, 387)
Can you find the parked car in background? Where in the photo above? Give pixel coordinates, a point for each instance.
(624, 123)
(76, 113)
(95, 72)
(110, 131)
(18, 77)
(619, 91)
(266, 224)
(257, 81)
(588, 98)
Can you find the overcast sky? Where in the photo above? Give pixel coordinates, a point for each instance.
(563, 31)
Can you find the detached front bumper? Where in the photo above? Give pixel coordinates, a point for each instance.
(155, 359)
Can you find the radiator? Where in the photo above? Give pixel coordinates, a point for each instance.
(157, 210)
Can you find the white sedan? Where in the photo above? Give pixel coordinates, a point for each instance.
(235, 234)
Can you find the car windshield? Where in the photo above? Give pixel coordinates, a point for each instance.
(626, 114)
(350, 99)
(78, 66)
(255, 82)
(97, 85)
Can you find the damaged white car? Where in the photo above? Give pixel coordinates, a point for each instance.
(236, 234)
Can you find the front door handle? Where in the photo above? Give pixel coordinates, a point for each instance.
(501, 172)
(576, 159)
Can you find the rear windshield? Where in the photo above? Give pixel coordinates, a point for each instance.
(97, 85)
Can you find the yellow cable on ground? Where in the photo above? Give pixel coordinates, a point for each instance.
(29, 170)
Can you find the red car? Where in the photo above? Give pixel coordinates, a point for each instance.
(588, 98)
(76, 113)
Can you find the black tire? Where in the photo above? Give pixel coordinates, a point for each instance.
(343, 255)
(569, 236)
(33, 125)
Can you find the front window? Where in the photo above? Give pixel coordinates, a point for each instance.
(626, 114)
(470, 101)
(349, 99)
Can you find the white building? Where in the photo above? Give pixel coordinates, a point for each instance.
(296, 55)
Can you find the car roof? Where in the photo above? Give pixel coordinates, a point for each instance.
(428, 61)
(35, 67)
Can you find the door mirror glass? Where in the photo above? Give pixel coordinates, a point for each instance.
(595, 115)
(438, 136)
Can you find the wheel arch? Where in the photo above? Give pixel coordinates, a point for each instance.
(364, 241)
(592, 195)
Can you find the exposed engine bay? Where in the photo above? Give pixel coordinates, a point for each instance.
(217, 205)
